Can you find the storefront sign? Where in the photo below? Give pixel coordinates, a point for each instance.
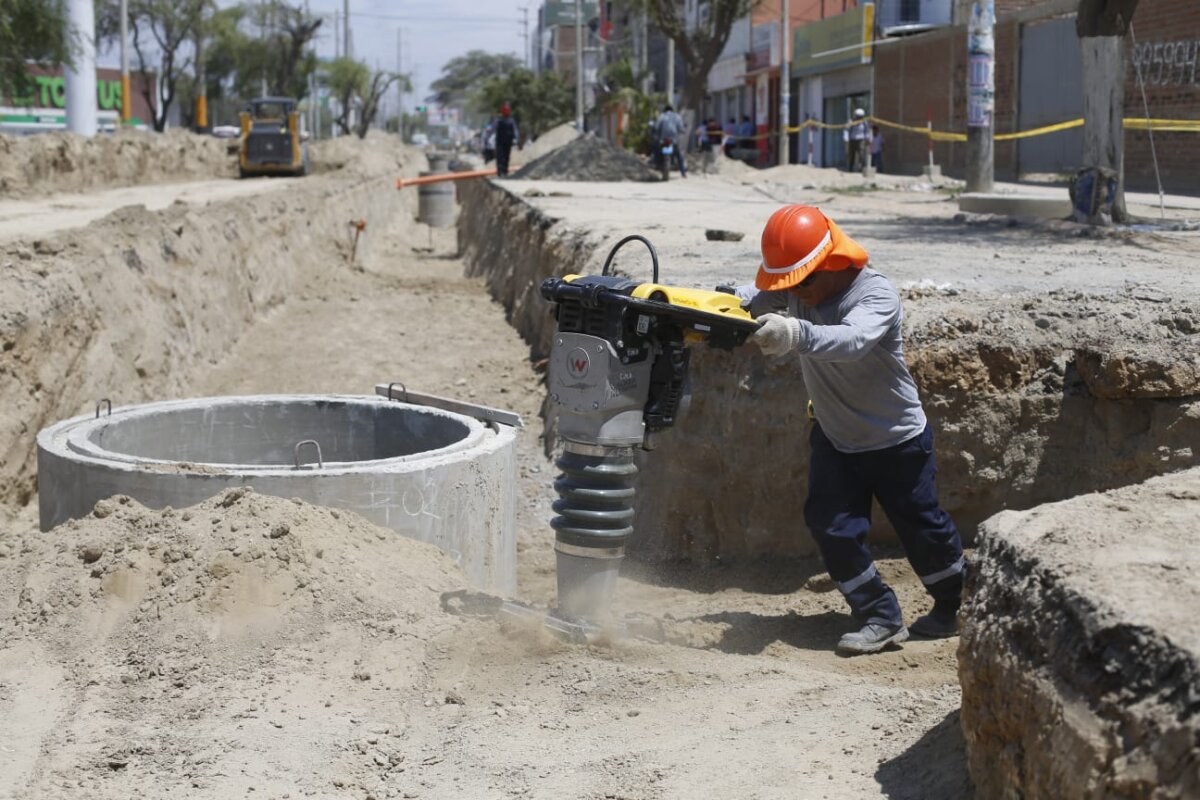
(43, 107)
(835, 42)
(562, 12)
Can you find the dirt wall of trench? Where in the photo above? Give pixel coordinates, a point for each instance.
(1033, 398)
(128, 307)
(1078, 656)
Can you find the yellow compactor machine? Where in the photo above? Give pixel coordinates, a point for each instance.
(271, 141)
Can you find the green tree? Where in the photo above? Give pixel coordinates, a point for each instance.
(160, 33)
(31, 30)
(463, 77)
(355, 86)
(619, 88)
(377, 87)
(347, 79)
(539, 102)
(699, 41)
(252, 43)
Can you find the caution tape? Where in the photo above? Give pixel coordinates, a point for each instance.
(1177, 125)
(1061, 126)
(1132, 123)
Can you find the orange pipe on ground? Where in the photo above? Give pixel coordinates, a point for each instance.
(447, 176)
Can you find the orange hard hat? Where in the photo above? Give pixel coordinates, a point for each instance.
(798, 241)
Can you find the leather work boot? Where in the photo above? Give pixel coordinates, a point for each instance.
(873, 637)
(940, 623)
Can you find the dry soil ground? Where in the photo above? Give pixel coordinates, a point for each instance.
(205, 653)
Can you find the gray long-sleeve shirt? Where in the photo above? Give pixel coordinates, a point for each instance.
(852, 358)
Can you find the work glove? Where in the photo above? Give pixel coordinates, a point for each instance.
(777, 335)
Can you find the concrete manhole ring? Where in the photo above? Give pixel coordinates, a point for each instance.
(433, 475)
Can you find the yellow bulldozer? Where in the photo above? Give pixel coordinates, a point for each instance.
(271, 141)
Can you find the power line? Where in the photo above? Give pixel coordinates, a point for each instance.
(473, 21)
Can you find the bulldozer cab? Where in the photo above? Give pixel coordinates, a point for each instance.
(270, 111)
(270, 139)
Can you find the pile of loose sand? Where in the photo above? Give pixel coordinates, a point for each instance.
(65, 162)
(157, 651)
(587, 159)
(214, 568)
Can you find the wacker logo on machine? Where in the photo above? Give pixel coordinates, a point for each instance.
(578, 362)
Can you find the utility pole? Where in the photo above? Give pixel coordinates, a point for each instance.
(346, 30)
(262, 35)
(201, 78)
(644, 56)
(981, 93)
(525, 34)
(579, 66)
(400, 82)
(671, 71)
(80, 78)
(126, 90)
(785, 83)
(337, 36)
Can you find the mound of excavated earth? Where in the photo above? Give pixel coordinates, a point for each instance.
(161, 652)
(549, 141)
(587, 159)
(1080, 651)
(65, 162)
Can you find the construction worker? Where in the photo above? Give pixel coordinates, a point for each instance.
(859, 137)
(869, 436)
(506, 135)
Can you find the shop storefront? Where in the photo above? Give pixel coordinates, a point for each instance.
(832, 74)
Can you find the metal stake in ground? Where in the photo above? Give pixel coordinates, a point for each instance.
(358, 226)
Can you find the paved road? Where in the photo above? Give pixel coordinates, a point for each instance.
(910, 233)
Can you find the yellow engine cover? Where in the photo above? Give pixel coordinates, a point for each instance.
(707, 300)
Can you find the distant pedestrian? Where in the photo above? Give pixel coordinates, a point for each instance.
(489, 141)
(506, 134)
(876, 148)
(716, 137)
(668, 129)
(857, 135)
(730, 141)
(746, 133)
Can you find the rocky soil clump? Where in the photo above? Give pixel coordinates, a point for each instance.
(587, 159)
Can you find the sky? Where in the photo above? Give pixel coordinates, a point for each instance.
(432, 32)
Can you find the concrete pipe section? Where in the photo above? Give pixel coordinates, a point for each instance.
(433, 475)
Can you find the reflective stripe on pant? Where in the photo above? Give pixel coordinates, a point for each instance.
(838, 513)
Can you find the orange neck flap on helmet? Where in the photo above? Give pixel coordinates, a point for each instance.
(800, 240)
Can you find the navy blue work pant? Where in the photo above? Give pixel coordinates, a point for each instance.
(838, 513)
(503, 151)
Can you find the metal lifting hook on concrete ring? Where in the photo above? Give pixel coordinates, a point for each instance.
(316, 445)
(630, 238)
(104, 401)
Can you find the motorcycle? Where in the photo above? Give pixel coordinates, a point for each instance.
(665, 151)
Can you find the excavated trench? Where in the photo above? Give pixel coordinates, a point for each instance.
(1035, 398)
(1024, 415)
(142, 299)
